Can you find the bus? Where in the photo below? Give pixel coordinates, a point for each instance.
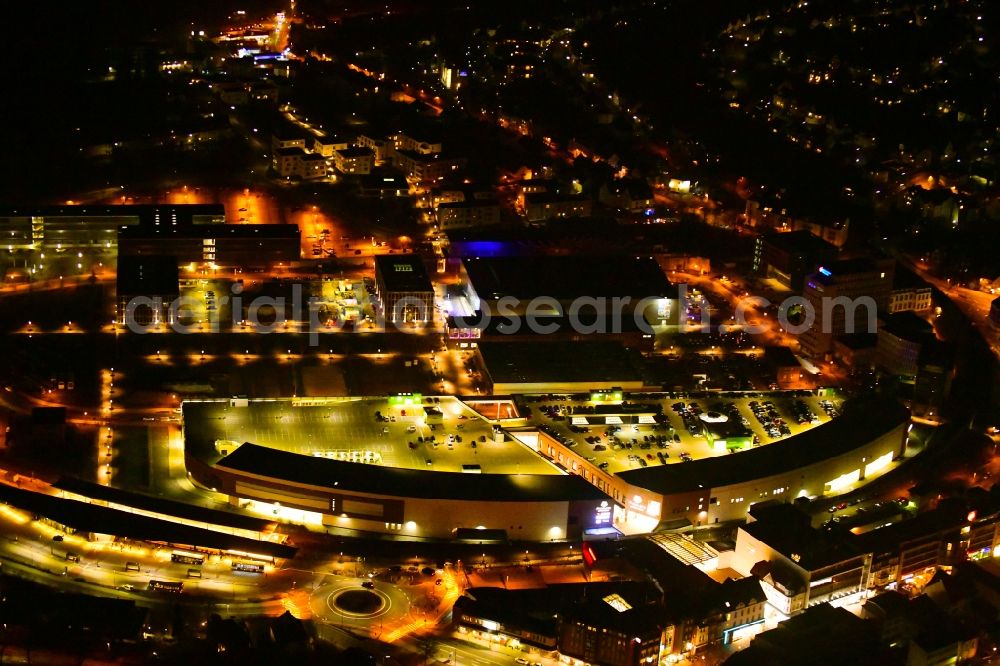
(166, 586)
(248, 566)
(186, 557)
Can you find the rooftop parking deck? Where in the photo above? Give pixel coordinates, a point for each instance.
(370, 430)
(671, 428)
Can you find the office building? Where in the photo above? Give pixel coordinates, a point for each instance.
(844, 297)
(403, 289)
(788, 257)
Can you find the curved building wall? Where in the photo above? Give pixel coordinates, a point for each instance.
(827, 477)
(378, 512)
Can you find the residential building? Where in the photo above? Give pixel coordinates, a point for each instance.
(311, 166)
(542, 206)
(465, 214)
(354, 161)
(404, 141)
(287, 138)
(631, 194)
(909, 293)
(326, 145)
(426, 167)
(287, 162)
(382, 149)
(844, 297)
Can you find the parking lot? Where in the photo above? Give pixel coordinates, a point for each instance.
(370, 431)
(679, 434)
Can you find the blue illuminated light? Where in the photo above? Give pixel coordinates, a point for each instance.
(825, 271)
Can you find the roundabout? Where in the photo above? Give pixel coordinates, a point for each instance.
(346, 603)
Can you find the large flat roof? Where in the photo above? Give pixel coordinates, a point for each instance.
(290, 231)
(403, 272)
(860, 421)
(149, 275)
(142, 211)
(553, 361)
(160, 505)
(335, 475)
(88, 517)
(568, 277)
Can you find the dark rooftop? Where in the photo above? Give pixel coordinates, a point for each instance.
(146, 213)
(397, 482)
(87, 517)
(470, 203)
(211, 231)
(856, 341)
(781, 357)
(568, 277)
(843, 267)
(355, 151)
(48, 415)
(908, 326)
(800, 242)
(787, 530)
(155, 275)
(553, 361)
(402, 273)
(160, 505)
(860, 421)
(904, 278)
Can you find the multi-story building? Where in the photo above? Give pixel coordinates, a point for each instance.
(287, 162)
(295, 161)
(800, 565)
(311, 166)
(909, 293)
(541, 206)
(789, 257)
(465, 214)
(844, 297)
(326, 145)
(233, 245)
(73, 227)
(404, 141)
(382, 149)
(287, 138)
(146, 287)
(354, 161)
(631, 194)
(901, 338)
(426, 167)
(403, 289)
